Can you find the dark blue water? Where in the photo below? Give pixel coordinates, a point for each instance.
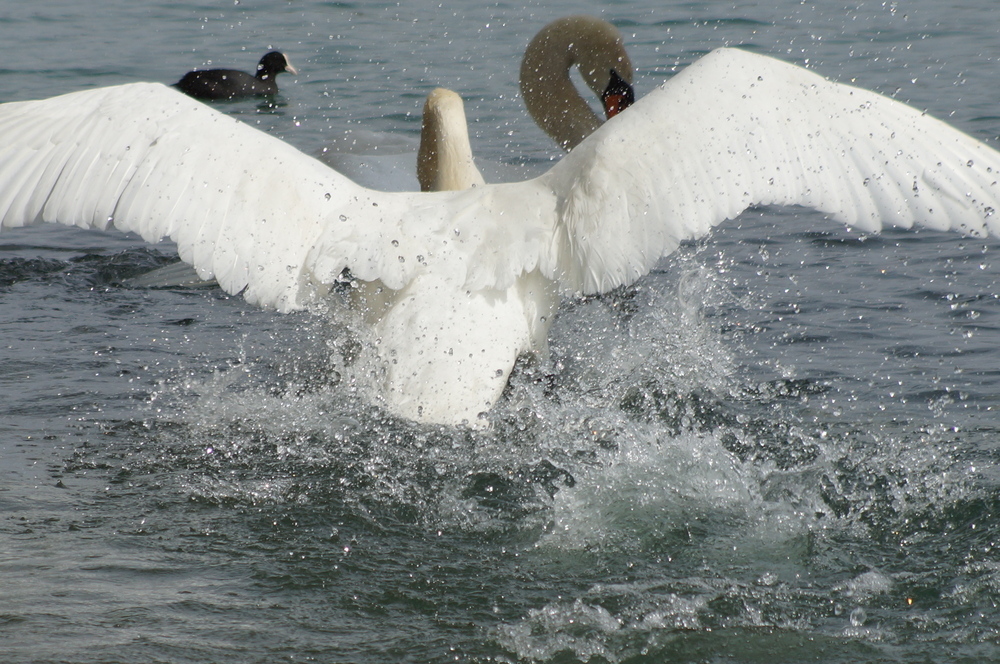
(781, 446)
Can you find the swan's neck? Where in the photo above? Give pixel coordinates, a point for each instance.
(595, 47)
(444, 160)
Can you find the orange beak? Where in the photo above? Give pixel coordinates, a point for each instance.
(618, 96)
(614, 104)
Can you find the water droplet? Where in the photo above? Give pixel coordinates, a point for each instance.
(343, 217)
(768, 579)
(858, 617)
(969, 163)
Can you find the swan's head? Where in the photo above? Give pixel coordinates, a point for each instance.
(618, 96)
(444, 160)
(597, 50)
(593, 45)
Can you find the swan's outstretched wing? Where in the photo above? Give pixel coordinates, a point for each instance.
(147, 159)
(242, 206)
(736, 129)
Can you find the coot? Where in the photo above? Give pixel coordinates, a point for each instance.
(233, 84)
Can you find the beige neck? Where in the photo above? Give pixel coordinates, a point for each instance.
(444, 160)
(595, 47)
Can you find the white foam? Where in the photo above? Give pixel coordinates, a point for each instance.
(653, 488)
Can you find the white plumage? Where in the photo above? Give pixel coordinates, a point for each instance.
(477, 270)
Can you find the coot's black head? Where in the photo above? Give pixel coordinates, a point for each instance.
(273, 64)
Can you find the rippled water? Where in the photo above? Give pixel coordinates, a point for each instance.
(779, 447)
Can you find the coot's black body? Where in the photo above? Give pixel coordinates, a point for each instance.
(233, 84)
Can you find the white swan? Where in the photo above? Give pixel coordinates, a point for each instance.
(430, 329)
(417, 322)
(475, 271)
